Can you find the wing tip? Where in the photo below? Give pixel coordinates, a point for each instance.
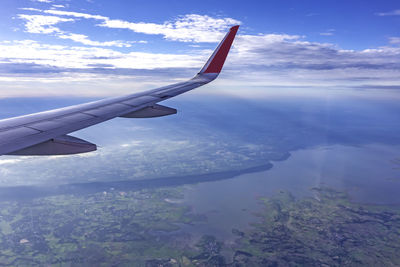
(236, 27)
(217, 59)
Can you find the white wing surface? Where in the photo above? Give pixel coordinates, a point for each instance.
(45, 133)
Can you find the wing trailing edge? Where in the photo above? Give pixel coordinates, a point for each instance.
(62, 145)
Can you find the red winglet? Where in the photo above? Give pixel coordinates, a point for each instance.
(217, 59)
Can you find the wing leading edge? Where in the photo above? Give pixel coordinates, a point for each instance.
(45, 133)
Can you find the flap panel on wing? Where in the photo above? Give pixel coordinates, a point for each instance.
(16, 133)
(62, 145)
(151, 112)
(108, 110)
(138, 101)
(73, 118)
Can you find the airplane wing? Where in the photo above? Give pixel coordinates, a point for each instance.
(45, 133)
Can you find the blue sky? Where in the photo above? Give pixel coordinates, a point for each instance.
(101, 48)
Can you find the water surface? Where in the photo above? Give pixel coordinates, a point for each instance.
(369, 174)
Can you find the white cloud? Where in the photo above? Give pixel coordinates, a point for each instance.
(58, 6)
(42, 24)
(188, 28)
(65, 57)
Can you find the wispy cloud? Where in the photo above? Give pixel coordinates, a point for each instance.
(58, 6)
(30, 9)
(328, 32)
(187, 28)
(390, 13)
(394, 40)
(83, 39)
(75, 14)
(44, 24)
(43, 1)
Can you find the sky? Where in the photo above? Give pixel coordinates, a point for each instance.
(99, 48)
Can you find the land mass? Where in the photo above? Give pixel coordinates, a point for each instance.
(141, 228)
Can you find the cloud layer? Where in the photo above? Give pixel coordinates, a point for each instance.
(269, 60)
